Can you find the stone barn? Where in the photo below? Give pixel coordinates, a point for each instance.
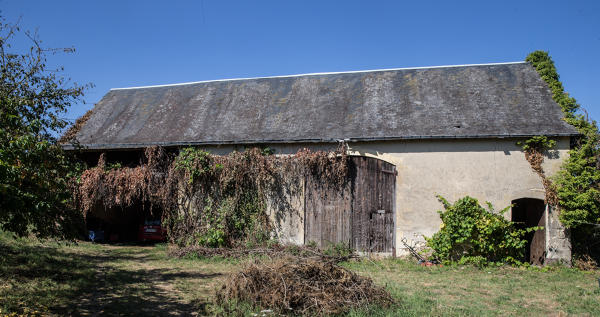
(412, 134)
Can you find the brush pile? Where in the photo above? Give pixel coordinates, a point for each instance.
(302, 286)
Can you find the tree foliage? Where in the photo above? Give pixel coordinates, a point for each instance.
(35, 172)
(471, 233)
(577, 183)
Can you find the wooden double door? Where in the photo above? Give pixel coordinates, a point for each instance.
(359, 215)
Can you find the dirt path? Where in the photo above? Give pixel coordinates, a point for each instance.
(141, 281)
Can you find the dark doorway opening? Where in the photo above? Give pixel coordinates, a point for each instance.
(530, 212)
(121, 224)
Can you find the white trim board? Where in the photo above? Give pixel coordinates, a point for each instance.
(317, 74)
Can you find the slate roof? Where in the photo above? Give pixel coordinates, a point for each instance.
(470, 101)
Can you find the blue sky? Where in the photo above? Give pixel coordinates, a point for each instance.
(137, 43)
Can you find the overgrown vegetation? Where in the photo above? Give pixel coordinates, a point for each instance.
(223, 198)
(472, 234)
(577, 182)
(211, 200)
(35, 173)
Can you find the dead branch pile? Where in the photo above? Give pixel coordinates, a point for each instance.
(294, 285)
(586, 263)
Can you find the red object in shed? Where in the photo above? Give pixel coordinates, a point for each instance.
(152, 230)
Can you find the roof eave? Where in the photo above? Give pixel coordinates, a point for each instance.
(132, 146)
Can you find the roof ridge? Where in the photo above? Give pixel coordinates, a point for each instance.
(318, 74)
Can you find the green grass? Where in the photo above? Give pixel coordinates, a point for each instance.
(84, 278)
(464, 290)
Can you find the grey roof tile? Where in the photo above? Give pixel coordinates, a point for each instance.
(492, 100)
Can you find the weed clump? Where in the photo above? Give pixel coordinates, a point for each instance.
(303, 286)
(473, 234)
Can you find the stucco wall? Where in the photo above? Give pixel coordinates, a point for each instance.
(493, 170)
(286, 212)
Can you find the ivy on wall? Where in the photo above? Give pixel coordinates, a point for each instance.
(577, 182)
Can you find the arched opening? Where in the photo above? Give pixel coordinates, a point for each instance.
(530, 212)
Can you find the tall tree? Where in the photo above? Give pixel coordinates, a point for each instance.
(35, 173)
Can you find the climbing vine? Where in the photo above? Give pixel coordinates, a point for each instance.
(206, 199)
(534, 149)
(577, 183)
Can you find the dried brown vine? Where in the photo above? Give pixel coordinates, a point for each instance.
(329, 166)
(208, 199)
(123, 186)
(69, 136)
(535, 157)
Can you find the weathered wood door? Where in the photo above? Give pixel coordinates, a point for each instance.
(327, 213)
(361, 215)
(373, 192)
(538, 242)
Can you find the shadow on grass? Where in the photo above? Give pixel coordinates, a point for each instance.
(55, 281)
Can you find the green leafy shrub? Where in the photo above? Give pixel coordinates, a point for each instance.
(226, 196)
(196, 162)
(473, 234)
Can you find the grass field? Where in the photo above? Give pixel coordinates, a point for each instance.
(53, 278)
